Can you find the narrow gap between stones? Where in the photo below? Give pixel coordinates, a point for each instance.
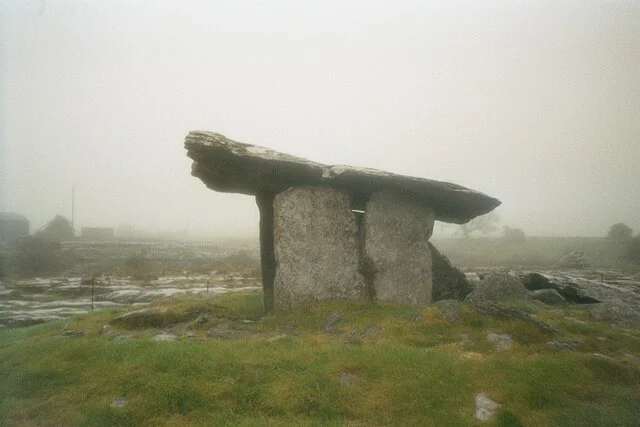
(365, 264)
(264, 201)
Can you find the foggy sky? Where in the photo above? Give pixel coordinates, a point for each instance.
(536, 103)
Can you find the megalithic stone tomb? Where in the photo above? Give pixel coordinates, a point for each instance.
(337, 231)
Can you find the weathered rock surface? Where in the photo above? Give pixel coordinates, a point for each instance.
(503, 311)
(448, 309)
(397, 228)
(548, 296)
(500, 342)
(575, 259)
(485, 407)
(583, 290)
(615, 311)
(316, 247)
(229, 166)
(568, 345)
(449, 282)
(497, 286)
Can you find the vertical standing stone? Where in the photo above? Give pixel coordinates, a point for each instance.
(316, 247)
(397, 231)
(267, 256)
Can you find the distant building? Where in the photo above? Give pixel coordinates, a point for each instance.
(12, 226)
(58, 229)
(97, 233)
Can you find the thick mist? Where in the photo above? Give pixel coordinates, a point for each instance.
(535, 103)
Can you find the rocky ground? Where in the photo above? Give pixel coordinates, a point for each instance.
(39, 300)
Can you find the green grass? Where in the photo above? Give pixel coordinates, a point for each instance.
(383, 364)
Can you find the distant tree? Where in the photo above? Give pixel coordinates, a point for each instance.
(620, 231)
(632, 250)
(59, 229)
(513, 234)
(484, 224)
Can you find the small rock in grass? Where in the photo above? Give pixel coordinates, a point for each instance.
(601, 356)
(119, 402)
(448, 309)
(485, 407)
(164, 337)
(354, 337)
(201, 320)
(501, 342)
(277, 338)
(498, 286)
(372, 331)
(72, 333)
(467, 341)
(347, 379)
(570, 345)
(330, 321)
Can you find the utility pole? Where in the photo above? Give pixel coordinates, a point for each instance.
(73, 208)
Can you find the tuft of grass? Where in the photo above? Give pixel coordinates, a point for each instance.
(378, 364)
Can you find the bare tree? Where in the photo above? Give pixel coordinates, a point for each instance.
(620, 231)
(484, 224)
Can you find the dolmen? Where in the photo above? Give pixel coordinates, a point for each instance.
(338, 231)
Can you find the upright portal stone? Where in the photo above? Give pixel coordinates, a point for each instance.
(397, 230)
(316, 247)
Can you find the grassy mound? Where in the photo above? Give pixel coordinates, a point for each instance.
(335, 363)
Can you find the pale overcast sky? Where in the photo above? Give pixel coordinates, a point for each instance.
(536, 103)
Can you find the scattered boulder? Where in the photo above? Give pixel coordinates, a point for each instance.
(578, 290)
(164, 337)
(485, 407)
(497, 286)
(354, 337)
(119, 402)
(501, 342)
(548, 296)
(448, 309)
(574, 259)
(615, 311)
(560, 345)
(449, 282)
(397, 229)
(502, 311)
(329, 322)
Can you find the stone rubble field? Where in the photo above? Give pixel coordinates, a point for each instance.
(28, 302)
